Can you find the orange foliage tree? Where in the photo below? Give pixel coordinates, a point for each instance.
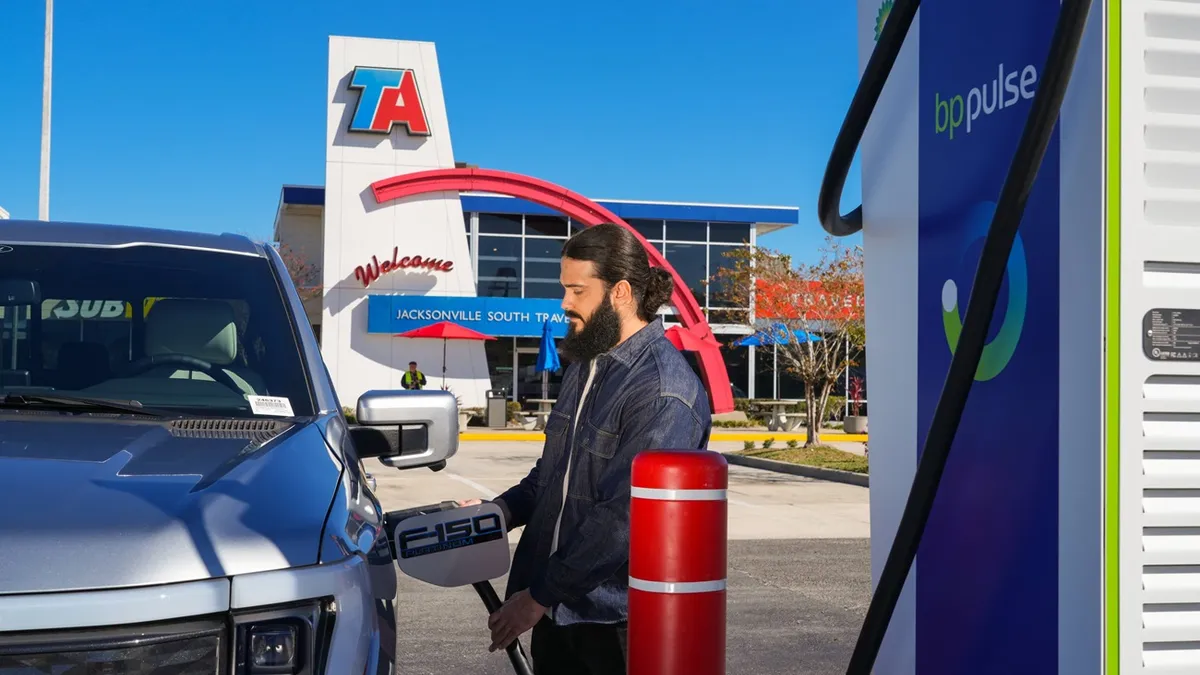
(806, 301)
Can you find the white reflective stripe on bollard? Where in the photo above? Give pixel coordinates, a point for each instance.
(676, 586)
(677, 495)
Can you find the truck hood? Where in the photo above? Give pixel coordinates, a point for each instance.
(90, 502)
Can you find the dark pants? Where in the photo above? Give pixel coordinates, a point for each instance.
(578, 649)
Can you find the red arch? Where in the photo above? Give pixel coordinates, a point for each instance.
(588, 212)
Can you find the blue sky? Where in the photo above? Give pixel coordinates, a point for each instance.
(191, 115)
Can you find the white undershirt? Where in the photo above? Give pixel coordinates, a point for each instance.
(567, 475)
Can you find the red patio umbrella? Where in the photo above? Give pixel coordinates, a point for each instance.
(686, 340)
(446, 330)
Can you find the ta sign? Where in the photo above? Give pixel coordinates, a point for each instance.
(387, 97)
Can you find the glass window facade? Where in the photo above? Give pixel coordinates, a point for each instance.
(689, 260)
(542, 267)
(732, 233)
(519, 256)
(499, 272)
(650, 229)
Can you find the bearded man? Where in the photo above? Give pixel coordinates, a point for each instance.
(628, 389)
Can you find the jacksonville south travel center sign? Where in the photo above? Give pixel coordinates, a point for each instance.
(519, 317)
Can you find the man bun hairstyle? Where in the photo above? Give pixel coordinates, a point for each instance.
(658, 292)
(619, 256)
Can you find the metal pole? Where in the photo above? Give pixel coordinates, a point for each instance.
(775, 372)
(44, 186)
(847, 383)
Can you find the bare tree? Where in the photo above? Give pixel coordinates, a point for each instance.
(306, 276)
(813, 312)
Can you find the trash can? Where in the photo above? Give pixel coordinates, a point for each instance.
(497, 408)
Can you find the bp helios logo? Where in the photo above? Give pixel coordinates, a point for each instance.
(998, 352)
(1005, 91)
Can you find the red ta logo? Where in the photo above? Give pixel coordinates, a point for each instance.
(387, 96)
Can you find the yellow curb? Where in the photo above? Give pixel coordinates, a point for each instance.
(832, 437)
(502, 436)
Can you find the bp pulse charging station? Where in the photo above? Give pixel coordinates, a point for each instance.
(1065, 536)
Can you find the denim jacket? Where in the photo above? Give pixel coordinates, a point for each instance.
(643, 395)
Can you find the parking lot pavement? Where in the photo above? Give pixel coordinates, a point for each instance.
(762, 504)
(793, 606)
(799, 568)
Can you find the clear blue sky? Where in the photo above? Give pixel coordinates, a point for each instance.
(191, 115)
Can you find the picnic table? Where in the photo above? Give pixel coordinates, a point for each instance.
(543, 412)
(778, 420)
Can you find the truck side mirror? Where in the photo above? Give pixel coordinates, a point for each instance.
(407, 429)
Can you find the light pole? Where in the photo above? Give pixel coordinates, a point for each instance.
(44, 186)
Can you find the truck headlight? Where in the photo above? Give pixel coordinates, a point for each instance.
(274, 648)
(288, 640)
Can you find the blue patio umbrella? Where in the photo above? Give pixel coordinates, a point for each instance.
(547, 358)
(775, 335)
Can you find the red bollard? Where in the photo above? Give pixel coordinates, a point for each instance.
(677, 553)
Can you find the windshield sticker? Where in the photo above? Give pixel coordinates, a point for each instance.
(277, 406)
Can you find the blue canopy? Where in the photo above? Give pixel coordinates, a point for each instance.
(547, 359)
(777, 334)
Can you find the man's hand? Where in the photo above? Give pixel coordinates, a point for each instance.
(518, 615)
(498, 502)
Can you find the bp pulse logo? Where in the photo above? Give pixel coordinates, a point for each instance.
(1005, 91)
(387, 97)
(885, 10)
(999, 351)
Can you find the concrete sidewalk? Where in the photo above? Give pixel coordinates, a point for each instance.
(762, 504)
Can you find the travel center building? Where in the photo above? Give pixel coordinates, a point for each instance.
(402, 236)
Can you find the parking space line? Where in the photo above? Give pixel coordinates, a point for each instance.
(492, 495)
(467, 481)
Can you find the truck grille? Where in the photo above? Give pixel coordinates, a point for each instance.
(194, 648)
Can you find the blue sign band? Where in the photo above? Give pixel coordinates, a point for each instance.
(498, 317)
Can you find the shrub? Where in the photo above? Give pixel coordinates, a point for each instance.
(515, 413)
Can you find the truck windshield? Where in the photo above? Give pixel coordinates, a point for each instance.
(187, 331)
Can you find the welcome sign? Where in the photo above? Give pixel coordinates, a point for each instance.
(498, 317)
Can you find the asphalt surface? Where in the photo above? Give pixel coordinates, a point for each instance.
(799, 571)
(794, 607)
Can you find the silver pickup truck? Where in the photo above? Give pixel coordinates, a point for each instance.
(180, 491)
